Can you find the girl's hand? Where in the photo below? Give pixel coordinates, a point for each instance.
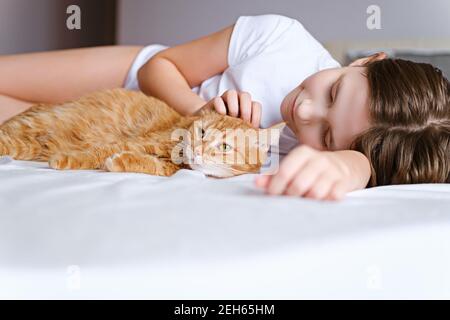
(236, 104)
(310, 173)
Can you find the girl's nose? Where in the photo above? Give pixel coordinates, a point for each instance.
(306, 111)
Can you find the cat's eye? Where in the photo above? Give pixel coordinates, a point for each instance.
(203, 133)
(225, 147)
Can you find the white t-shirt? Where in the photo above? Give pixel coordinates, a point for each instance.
(269, 55)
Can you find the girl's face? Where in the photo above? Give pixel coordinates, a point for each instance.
(329, 108)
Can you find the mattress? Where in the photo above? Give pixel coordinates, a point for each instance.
(92, 234)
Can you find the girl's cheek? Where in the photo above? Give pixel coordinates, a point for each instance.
(293, 128)
(309, 136)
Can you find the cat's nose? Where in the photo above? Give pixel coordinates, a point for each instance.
(198, 152)
(198, 156)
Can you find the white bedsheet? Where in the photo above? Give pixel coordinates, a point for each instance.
(86, 234)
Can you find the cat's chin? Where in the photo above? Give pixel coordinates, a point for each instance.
(215, 172)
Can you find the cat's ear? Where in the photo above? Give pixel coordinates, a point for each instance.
(278, 126)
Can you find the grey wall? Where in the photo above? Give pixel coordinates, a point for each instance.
(27, 25)
(174, 21)
(36, 25)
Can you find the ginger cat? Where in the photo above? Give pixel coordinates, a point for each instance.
(127, 131)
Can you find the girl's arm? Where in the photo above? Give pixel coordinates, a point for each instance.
(170, 74)
(318, 174)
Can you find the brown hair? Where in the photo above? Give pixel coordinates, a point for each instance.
(409, 140)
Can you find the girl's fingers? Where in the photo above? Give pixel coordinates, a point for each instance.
(289, 167)
(219, 105)
(245, 106)
(232, 101)
(338, 191)
(262, 181)
(239, 105)
(305, 178)
(321, 187)
(256, 114)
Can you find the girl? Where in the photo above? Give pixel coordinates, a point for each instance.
(377, 121)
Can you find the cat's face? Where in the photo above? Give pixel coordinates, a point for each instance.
(223, 146)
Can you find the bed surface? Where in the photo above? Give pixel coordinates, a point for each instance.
(87, 234)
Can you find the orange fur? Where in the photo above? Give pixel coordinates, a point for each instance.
(114, 130)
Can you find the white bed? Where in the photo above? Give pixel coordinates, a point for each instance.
(86, 234)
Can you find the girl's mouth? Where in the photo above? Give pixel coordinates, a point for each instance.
(295, 104)
(294, 110)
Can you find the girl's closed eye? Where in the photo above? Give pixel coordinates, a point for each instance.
(326, 130)
(335, 89)
(333, 92)
(325, 136)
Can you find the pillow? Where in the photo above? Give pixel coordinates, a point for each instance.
(436, 57)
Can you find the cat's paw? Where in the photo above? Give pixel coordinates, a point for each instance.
(64, 162)
(118, 162)
(131, 162)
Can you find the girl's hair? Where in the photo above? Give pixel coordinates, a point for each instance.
(409, 140)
